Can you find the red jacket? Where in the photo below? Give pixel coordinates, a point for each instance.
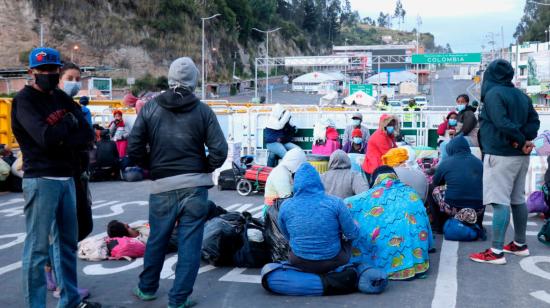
(379, 144)
(443, 127)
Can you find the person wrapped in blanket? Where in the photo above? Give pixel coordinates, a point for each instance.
(458, 182)
(395, 232)
(327, 139)
(140, 232)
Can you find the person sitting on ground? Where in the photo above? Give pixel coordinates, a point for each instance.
(546, 188)
(398, 159)
(447, 129)
(462, 173)
(356, 120)
(318, 227)
(279, 182)
(395, 232)
(278, 134)
(106, 164)
(340, 180)
(381, 142)
(327, 139)
(119, 133)
(357, 145)
(116, 228)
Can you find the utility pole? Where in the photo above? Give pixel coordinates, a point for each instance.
(346, 64)
(203, 87)
(502, 41)
(267, 32)
(418, 23)
(41, 35)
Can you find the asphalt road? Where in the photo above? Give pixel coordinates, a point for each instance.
(444, 92)
(453, 280)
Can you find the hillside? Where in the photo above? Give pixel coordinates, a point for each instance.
(140, 36)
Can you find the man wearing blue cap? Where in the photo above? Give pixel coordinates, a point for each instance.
(50, 129)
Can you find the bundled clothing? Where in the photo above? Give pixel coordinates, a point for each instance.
(462, 173)
(315, 224)
(395, 232)
(380, 143)
(404, 163)
(340, 180)
(279, 181)
(327, 145)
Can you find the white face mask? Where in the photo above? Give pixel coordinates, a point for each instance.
(71, 87)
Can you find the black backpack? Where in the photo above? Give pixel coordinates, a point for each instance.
(251, 254)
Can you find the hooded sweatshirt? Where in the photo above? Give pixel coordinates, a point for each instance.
(177, 126)
(279, 181)
(463, 174)
(507, 115)
(313, 221)
(468, 124)
(380, 143)
(340, 180)
(278, 128)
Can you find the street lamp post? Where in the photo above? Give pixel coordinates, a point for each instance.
(267, 32)
(203, 87)
(73, 50)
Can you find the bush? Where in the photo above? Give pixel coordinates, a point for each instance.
(149, 83)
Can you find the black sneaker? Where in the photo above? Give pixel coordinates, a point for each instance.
(86, 304)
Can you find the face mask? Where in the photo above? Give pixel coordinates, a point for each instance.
(357, 140)
(71, 87)
(356, 122)
(452, 122)
(460, 107)
(47, 82)
(390, 130)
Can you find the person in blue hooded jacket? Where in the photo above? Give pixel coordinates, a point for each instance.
(508, 124)
(462, 173)
(318, 226)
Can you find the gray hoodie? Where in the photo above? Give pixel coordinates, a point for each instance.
(340, 180)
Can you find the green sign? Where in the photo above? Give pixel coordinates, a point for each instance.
(446, 58)
(367, 88)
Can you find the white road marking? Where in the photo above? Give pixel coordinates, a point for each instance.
(529, 264)
(206, 268)
(446, 285)
(100, 269)
(10, 267)
(14, 211)
(12, 201)
(98, 206)
(259, 208)
(233, 207)
(117, 208)
(541, 295)
(244, 207)
(236, 275)
(19, 238)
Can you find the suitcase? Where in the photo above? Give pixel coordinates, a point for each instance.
(227, 180)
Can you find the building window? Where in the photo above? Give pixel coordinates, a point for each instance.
(522, 71)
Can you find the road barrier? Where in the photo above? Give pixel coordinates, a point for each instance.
(245, 122)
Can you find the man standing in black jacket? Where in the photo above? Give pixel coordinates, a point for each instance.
(50, 129)
(177, 126)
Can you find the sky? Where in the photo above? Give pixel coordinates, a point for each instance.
(464, 24)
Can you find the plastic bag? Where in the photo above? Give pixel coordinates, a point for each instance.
(223, 238)
(274, 238)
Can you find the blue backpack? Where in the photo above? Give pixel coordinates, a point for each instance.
(455, 230)
(284, 279)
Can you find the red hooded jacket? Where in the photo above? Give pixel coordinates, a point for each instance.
(379, 144)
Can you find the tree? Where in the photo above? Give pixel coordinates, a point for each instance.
(448, 48)
(534, 22)
(399, 13)
(311, 19)
(383, 20)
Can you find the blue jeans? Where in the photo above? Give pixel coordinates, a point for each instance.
(50, 209)
(278, 149)
(189, 208)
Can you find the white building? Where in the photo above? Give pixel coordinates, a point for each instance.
(519, 57)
